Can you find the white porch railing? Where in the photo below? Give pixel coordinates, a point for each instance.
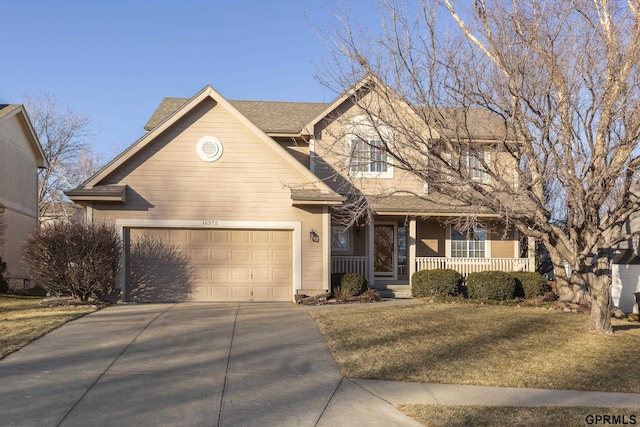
(465, 266)
(350, 264)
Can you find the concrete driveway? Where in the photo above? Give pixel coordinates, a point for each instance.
(185, 364)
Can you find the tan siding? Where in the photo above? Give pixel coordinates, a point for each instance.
(431, 236)
(332, 164)
(18, 192)
(250, 182)
(502, 246)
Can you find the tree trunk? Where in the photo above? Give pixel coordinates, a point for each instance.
(599, 282)
(570, 289)
(600, 318)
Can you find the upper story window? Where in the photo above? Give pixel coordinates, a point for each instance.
(368, 156)
(367, 145)
(468, 244)
(474, 159)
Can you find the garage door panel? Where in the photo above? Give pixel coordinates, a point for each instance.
(199, 255)
(281, 238)
(227, 265)
(261, 274)
(240, 236)
(260, 255)
(220, 256)
(242, 293)
(219, 274)
(196, 236)
(179, 236)
(262, 293)
(240, 255)
(240, 274)
(281, 255)
(281, 274)
(219, 236)
(261, 237)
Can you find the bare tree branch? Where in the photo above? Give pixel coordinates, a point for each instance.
(64, 134)
(548, 91)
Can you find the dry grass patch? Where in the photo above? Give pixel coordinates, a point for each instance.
(23, 320)
(481, 345)
(547, 416)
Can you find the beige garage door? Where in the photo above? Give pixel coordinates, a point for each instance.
(210, 265)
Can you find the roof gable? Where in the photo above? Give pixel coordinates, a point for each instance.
(7, 111)
(183, 109)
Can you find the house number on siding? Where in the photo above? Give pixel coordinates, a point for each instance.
(208, 222)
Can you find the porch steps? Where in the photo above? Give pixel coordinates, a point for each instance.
(393, 291)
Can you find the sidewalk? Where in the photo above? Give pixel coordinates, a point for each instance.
(398, 392)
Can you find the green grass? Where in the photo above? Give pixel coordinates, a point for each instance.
(24, 319)
(481, 345)
(548, 416)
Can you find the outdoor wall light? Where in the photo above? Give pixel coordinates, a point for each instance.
(314, 236)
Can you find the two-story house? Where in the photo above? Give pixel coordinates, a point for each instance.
(251, 193)
(21, 156)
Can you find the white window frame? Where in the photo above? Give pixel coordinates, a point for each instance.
(373, 139)
(472, 160)
(471, 244)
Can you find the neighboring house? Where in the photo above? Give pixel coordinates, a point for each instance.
(625, 270)
(20, 157)
(60, 212)
(243, 196)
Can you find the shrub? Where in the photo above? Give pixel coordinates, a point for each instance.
(336, 280)
(78, 259)
(353, 284)
(4, 285)
(491, 285)
(530, 284)
(439, 282)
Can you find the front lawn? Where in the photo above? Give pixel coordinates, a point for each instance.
(23, 320)
(547, 416)
(481, 345)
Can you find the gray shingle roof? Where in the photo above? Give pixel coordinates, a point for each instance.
(289, 117)
(269, 116)
(411, 204)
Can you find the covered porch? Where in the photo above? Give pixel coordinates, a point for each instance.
(390, 249)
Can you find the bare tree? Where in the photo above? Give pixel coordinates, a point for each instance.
(540, 99)
(63, 133)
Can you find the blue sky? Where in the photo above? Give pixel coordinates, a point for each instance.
(115, 60)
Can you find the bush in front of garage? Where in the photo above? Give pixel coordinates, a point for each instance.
(438, 282)
(78, 259)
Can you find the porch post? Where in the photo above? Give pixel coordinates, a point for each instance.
(370, 249)
(531, 253)
(412, 247)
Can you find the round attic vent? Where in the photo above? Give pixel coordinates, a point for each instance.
(209, 148)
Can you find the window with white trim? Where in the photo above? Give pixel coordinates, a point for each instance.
(367, 149)
(468, 244)
(473, 159)
(339, 239)
(367, 155)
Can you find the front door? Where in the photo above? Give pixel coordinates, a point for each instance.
(384, 250)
